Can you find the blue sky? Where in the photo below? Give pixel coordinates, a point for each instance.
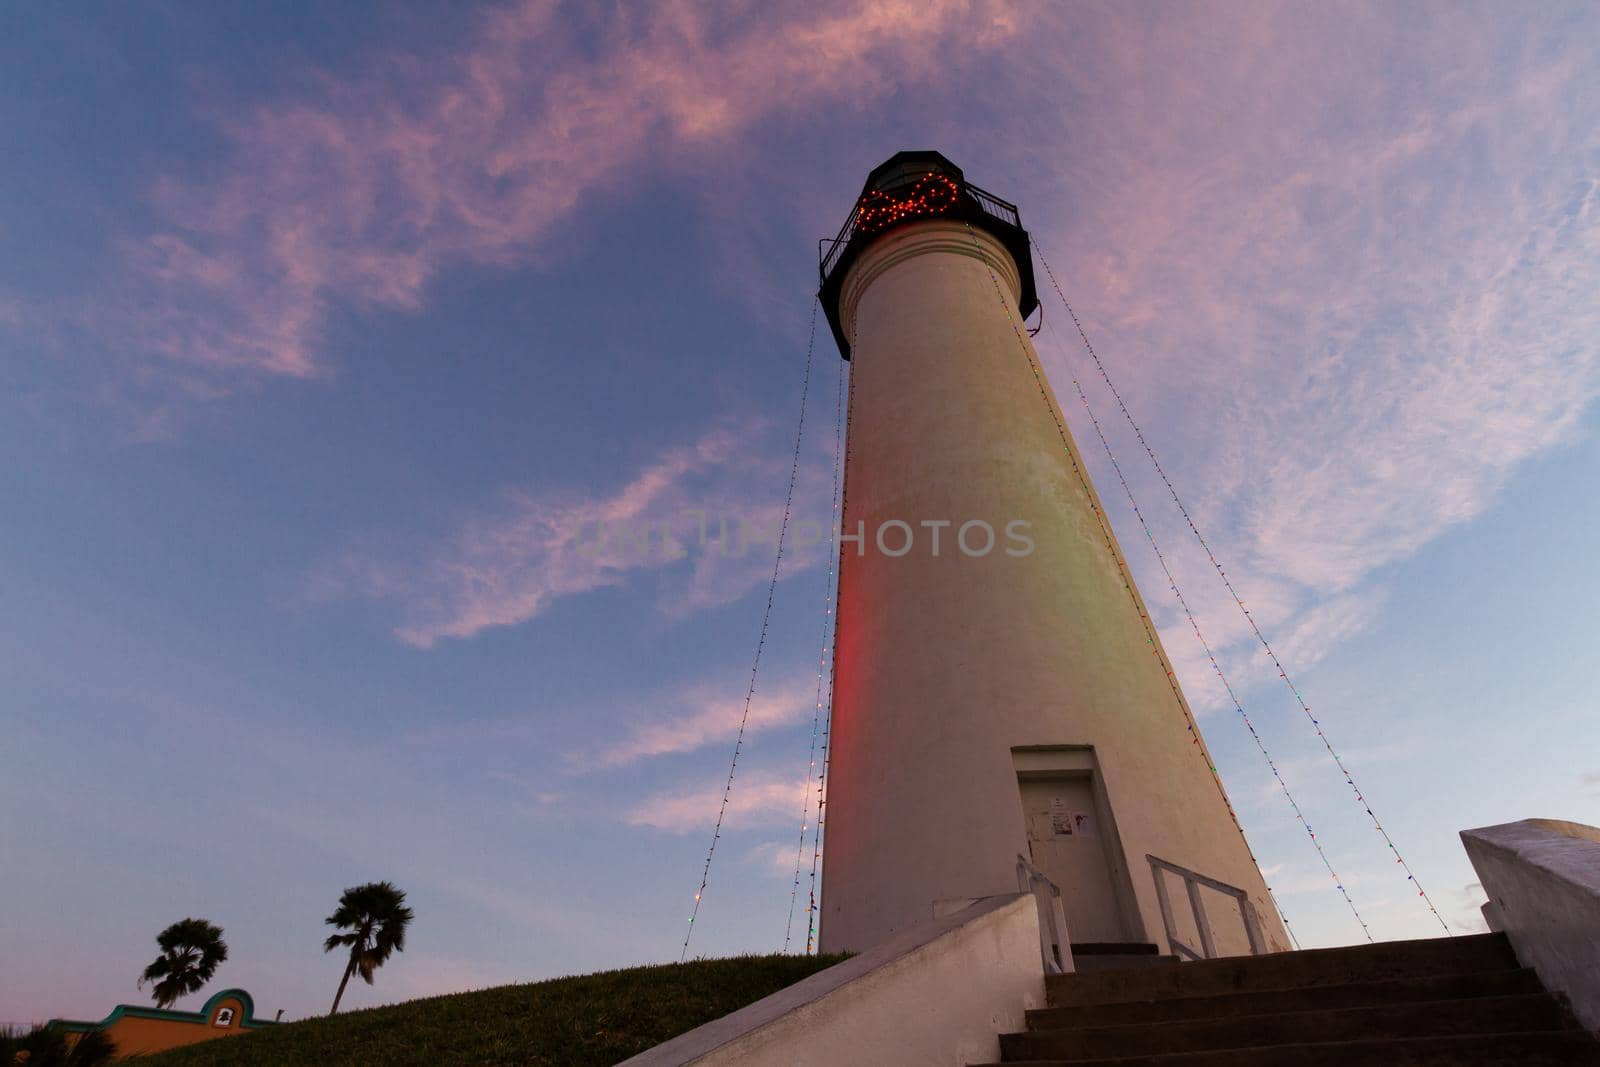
(320, 329)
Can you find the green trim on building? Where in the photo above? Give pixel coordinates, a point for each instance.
(139, 1011)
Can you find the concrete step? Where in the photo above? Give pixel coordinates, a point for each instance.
(1115, 948)
(1531, 1049)
(1109, 961)
(1233, 1005)
(1441, 1018)
(1383, 961)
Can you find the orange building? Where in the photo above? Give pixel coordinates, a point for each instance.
(137, 1029)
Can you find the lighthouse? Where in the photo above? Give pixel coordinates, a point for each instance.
(999, 689)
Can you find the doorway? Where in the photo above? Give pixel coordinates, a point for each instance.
(1073, 841)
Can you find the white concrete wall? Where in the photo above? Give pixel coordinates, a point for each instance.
(936, 996)
(946, 664)
(1542, 877)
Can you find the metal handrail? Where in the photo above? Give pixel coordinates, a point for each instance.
(1054, 947)
(1193, 882)
(1003, 210)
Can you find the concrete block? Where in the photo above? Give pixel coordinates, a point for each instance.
(937, 995)
(1542, 877)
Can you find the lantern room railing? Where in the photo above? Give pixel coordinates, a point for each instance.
(966, 194)
(908, 187)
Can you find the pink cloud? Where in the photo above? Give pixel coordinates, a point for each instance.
(778, 858)
(758, 799)
(360, 194)
(706, 515)
(707, 714)
(1344, 315)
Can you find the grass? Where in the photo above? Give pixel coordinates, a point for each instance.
(583, 1021)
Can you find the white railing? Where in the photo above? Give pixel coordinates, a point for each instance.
(1193, 883)
(1054, 947)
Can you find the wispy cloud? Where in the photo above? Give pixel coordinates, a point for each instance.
(1468, 909)
(529, 797)
(759, 798)
(1306, 879)
(704, 714)
(359, 194)
(1343, 318)
(708, 513)
(778, 858)
(1303, 631)
(1315, 776)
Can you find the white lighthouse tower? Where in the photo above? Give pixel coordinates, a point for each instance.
(999, 690)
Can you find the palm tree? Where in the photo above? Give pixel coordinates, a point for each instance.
(376, 917)
(190, 952)
(42, 1046)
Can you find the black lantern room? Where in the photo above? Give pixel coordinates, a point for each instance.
(911, 186)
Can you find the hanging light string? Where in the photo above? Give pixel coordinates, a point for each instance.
(811, 768)
(1194, 624)
(1104, 523)
(766, 619)
(1232, 591)
(818, 718)
(843, 407)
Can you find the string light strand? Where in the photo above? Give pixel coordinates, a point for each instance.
(843, 406)
(1104, 523)
(1216, 666)
(761, 642)
(1233, 592)
(823, 657)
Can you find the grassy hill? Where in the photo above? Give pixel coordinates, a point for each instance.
(584, 1021)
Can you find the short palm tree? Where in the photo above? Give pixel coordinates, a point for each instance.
(375, 916)
(191, 949)
(42, 1046)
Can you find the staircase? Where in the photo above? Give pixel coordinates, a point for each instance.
(1461, 1000)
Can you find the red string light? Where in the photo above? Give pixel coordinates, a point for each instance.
(933, 194)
